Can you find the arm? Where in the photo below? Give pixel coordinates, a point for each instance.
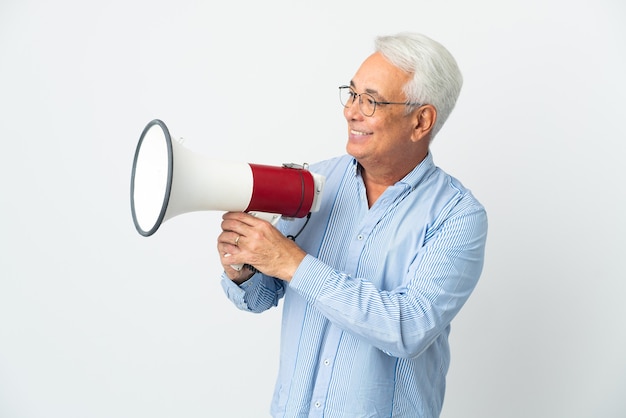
(406, 320)
(257, 294)
(249, 240)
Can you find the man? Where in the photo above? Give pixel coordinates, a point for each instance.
(372, 282)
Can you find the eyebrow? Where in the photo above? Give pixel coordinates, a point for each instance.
(369, 91)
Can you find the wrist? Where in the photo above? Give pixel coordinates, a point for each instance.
(244, 275)
(290, 271)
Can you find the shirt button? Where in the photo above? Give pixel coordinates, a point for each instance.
(326, 362)
(360, 237)
(318, 404)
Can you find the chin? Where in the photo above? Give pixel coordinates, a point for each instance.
(353, 150)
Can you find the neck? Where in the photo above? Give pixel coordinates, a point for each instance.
(377, 178)
(375, 185)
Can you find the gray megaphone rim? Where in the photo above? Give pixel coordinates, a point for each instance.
(170, 171)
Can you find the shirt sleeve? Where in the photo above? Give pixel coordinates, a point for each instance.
(257, 294)
(404, 321)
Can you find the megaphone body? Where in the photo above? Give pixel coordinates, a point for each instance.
(168, 180)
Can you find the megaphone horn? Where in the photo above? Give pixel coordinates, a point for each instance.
(168, 180)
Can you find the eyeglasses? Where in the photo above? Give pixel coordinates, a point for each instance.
(367, 102)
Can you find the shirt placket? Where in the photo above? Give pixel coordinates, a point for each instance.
(356, 244)
(325, 371)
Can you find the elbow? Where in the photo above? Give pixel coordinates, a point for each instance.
(411, 345)
(406, 352)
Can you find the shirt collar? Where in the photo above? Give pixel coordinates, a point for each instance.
(414, 178)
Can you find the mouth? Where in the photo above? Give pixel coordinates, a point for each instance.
(359, 133)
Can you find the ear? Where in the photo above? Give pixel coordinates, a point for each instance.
(425, 118)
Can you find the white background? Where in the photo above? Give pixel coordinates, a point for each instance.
(97, 321)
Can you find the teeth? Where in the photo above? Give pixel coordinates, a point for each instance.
(352, 131)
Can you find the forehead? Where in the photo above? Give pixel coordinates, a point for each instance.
(377, 75)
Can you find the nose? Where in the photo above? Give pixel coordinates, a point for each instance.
(352, 111)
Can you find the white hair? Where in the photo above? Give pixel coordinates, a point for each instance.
(436, 80)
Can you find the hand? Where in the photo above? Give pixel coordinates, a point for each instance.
(246, 239)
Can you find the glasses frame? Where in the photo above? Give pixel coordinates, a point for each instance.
(373, 100)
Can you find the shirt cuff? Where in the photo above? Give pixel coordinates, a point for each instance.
(235, 292)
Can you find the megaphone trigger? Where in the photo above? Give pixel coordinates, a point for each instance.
(272, 218)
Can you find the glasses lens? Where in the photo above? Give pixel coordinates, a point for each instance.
(368, 104)
(346, 96)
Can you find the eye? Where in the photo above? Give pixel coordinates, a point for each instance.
(368, 99)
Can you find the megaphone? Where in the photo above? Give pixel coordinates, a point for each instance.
(168, 180)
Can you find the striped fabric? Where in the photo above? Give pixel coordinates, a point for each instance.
(367, 315)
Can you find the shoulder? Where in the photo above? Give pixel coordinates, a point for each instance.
(329, 166)
(456, 207)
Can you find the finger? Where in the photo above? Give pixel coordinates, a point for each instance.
(235, 227)
(233, 273)
(228, 261)
(243, 217)
(229, 237)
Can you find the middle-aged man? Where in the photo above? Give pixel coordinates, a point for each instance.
(373, 280)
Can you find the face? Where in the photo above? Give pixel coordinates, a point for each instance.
(383, 140)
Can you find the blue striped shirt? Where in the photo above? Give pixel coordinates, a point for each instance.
(367, 314)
